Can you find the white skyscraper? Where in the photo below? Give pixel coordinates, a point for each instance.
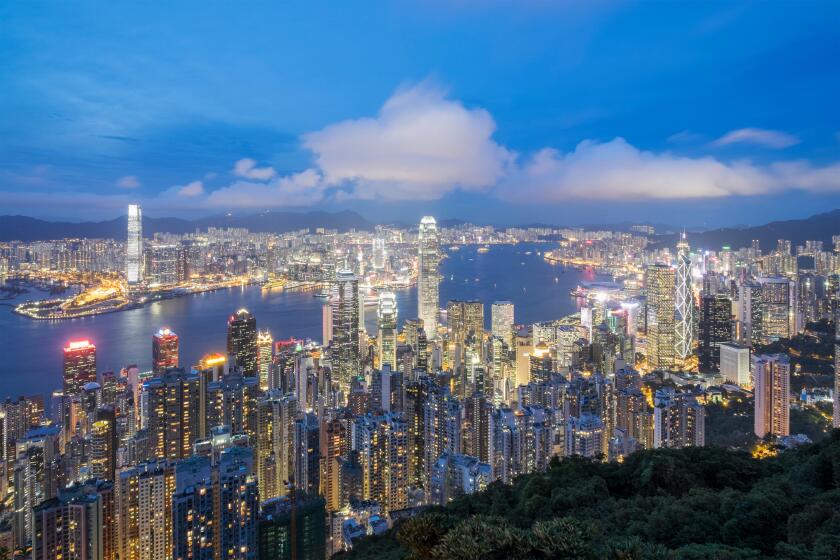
(684, 302)
(134, 245)
(387, 331)
(428, 294)
(501, 316)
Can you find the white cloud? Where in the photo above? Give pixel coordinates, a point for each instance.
(196, 188)
(419, 146)
(128, 182)
(775, 139)
(617, 170)
(300, 189)
(248, 169)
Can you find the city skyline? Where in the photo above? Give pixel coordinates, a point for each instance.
(522, 122)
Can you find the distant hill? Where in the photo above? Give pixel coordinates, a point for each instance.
(23, 228)
(819, 227)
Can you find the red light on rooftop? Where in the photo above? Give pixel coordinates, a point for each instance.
(78, 345)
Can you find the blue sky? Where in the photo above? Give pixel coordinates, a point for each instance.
(700, 113)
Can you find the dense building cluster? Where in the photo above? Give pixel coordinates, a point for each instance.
(296, 448)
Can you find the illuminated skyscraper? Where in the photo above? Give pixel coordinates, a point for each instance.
(465, 319)
(779, 314)
(265, 344)
(79, 366)
(428, 280)
(242, 341)
(684, 301)
(501, 317)
(659, 286)
(134, 245)
(715, 327)
(771, 375)
(345, 333)
(387, 331)
(383, 454)
(171, 405)
(164, 350)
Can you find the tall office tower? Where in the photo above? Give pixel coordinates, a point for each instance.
(428, 279)
(750, 314)
(584, 436)
(501, 317)
(466, 320)
(678, 420)
(274, 443)
(345, 334)
(293, 527)
(836, 408)
(134, 246)
(232, 402)
(79, 366)
(143, 510)
(242, 341)
(382, 443)
(714, 327)
(171, 405)
(164, 350)
(37, 477)
(70, 527)
(771, 375)
(661, 327)
(164, 264)
(457, 475)
(735, 363)
(684, 302)
(387, 329)
(103, 444)
(265, 347)
(779, 318)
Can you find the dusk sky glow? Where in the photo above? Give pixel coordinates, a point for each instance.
(696, 113)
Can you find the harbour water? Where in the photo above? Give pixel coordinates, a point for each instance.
(32, 350)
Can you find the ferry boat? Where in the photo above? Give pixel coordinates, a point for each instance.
(483, 249)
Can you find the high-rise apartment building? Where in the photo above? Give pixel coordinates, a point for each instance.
(164, 350)
(428, 279)
(678, 420)
(79, 366)
(242, 341)
(134, 246)
(71, 526)
(382, 443)
(661, 326)
(170, 404)
(387, 329)
(684, 302)
(345, 333)
(779, 317)
(465, 320)
(771, 375)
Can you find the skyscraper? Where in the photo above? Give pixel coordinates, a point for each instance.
(79, 366)
(387, 329)
(242, 341)
(684, 301)
(428, 280)
(715, 327)
(171, 404)
(345, 334)
(836, 410)
(265, 344)
(659, 286)
(501, 316)
(164, 350)
(134, 246)
(771, 374)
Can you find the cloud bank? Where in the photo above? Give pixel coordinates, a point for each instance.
(775, 139)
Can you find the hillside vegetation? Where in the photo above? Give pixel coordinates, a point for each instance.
(687, 504)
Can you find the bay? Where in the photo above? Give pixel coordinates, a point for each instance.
(32, 350)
